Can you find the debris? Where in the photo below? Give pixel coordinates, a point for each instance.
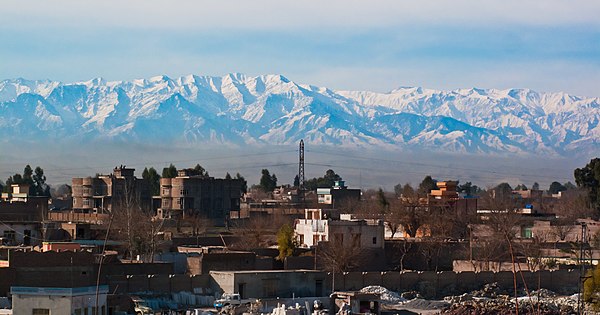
(386, 296)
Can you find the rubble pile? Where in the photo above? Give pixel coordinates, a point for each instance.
(409, 295)
(423, 304)
(489, 301)
(386, 296)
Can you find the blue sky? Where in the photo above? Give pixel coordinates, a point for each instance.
(550, 45)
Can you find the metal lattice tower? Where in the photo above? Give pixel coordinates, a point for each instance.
(301, 170)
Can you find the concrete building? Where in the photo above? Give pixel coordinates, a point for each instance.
(318, 226)
(21, 215)
(198, 195)
(337, 195)
(47, 301)
(103, 193)
(272, 283)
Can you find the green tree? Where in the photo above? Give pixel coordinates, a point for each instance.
(427, 185)
(169, 172)
(28, 175)
(555, 187)
(40, 188)
(521, 187)
(15, 179)
(588, 177)
(382, 201)
(535, 186)
(296, 181)
(503, 190)
(228, 176)
(328, 180)
(569, 186)
(198, 170)
(398, 190)
(153, 179)
(268, 182)
(408, 191)
(286, 241)
(468, 189)
(244, 182)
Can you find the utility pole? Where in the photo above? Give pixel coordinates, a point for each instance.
(301, 172)
(582, 277)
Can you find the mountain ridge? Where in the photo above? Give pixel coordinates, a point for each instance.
(236, 109)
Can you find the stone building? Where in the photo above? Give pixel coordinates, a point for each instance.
(199, 195)
(103, 193)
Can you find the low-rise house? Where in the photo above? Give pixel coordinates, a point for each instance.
(272, 283)
(52, 300)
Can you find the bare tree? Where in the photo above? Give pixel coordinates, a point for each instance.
(339, 257)
(533, 250)
(401, 250)
(257, 232)
(135, 225)
(195, 223)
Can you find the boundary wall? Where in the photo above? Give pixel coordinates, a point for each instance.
(431, 283)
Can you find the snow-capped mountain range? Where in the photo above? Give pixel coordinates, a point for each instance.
(236, 109)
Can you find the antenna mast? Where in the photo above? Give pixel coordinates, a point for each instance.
(301, 171)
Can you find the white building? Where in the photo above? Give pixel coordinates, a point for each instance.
(317, 227)
(59, 301)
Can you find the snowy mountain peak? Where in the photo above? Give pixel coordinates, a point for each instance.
(240, 109)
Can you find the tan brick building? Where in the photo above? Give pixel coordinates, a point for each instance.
(198, 195)
(102, 193)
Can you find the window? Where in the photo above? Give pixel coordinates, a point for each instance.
(86, 202)
(166, 191)
(40, 311)
(10, 235)
(183, 192)
(526, 232)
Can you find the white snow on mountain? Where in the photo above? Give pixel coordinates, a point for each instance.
(237, 109)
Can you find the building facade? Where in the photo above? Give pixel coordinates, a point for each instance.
(103, 193)
(338, 195)
(20, 215)
(47, 301)
(198, 195)
(317, 227)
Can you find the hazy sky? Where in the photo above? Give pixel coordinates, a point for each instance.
(546, 45)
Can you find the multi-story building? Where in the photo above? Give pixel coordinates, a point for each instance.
(103, 193)
(21, 216)
(198, 195)
(319, 226)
